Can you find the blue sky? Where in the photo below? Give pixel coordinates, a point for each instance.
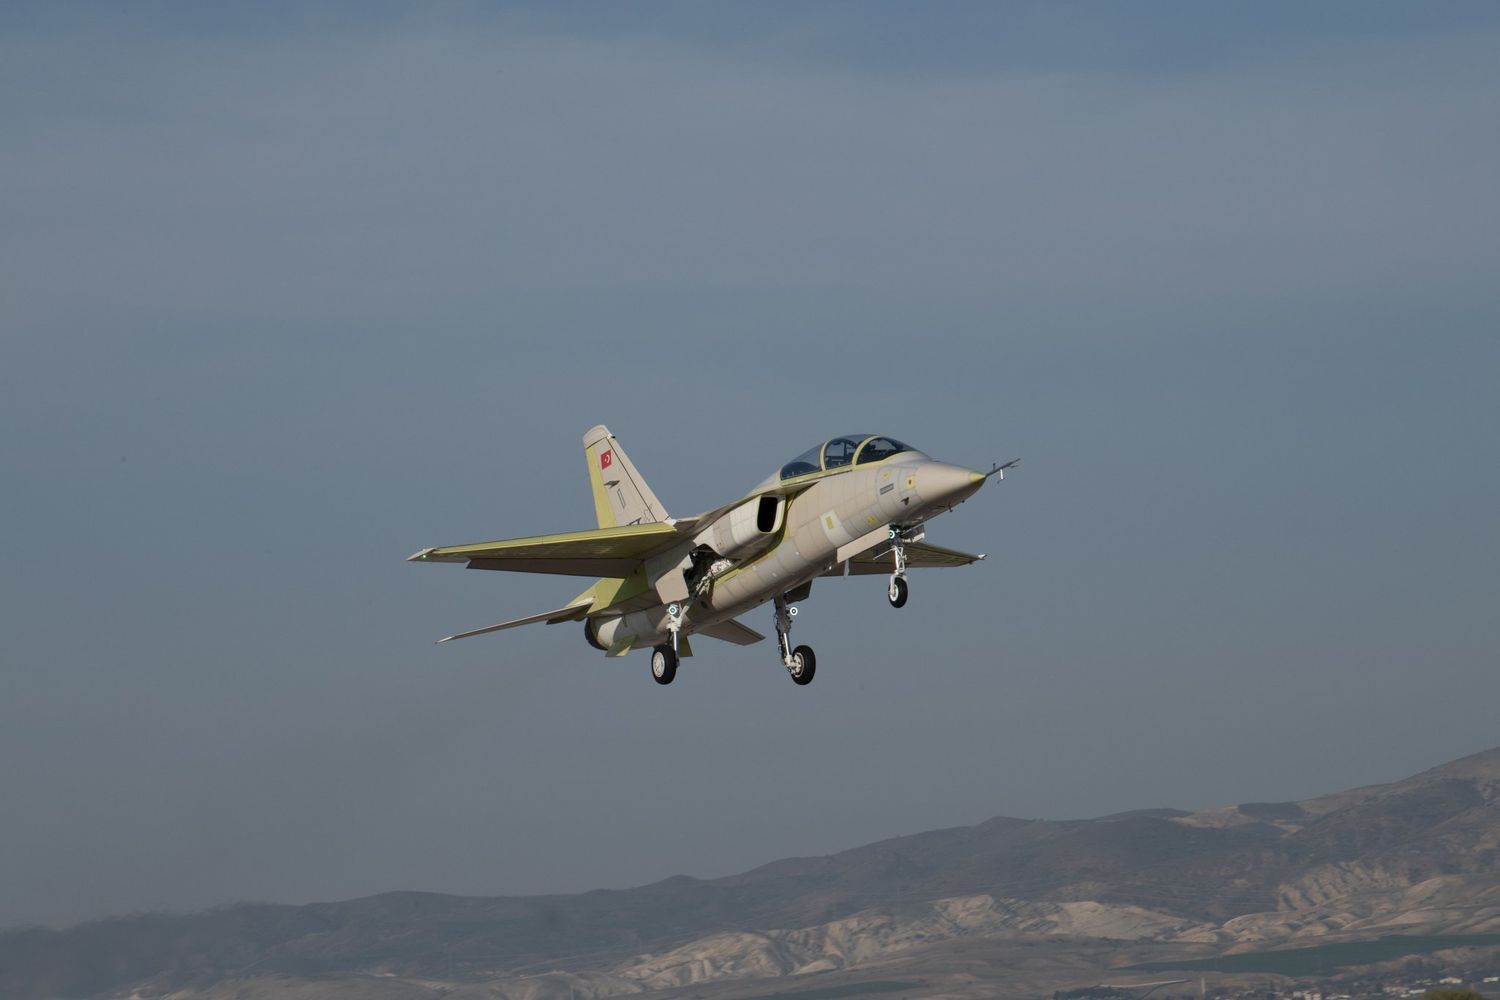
(287, 295)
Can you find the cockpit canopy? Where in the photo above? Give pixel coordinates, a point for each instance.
(851, 449)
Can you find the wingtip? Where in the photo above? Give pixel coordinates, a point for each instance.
(419, 556)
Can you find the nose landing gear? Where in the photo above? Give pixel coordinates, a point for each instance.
(800, 663)
(897, 591)
(803, 664)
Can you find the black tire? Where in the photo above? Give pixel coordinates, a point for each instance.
(663, 664)
(804, 665)
(896, 593)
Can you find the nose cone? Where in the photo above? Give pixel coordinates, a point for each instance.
(947, 485)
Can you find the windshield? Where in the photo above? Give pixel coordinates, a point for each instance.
(809, 461)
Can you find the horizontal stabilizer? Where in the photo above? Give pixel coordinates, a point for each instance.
(571, 613)
(730, 630)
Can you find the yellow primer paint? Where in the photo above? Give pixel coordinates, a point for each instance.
(612, 590)
(602, 509)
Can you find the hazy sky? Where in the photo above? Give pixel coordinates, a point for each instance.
(289, 293)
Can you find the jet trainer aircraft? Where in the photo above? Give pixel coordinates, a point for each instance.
(854, 505)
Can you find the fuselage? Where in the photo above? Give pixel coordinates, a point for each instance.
(792, 530)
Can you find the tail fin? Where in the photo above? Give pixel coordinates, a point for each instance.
(621, 496)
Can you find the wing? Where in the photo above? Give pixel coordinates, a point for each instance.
(919, 555)
(731, 631)
(571, 613)
(602, 552)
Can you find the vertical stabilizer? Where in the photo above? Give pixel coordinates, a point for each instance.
(621, 496)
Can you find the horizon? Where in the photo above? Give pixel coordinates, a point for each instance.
(229, 904)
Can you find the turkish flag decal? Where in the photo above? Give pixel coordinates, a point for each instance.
(606, 459)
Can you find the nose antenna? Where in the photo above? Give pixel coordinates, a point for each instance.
(998, 471)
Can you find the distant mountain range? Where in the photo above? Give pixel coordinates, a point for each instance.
(1045, 903)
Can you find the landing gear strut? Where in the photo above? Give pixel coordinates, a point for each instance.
(664, 657)
(799, 662)
(896, 592)
(674, 624)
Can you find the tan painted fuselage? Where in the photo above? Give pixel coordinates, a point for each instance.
(813, 532)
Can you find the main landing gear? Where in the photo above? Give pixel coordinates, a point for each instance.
(799, 662)
(663, 664)
(664, 657)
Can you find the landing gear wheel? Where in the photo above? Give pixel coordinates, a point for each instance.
(896, 593)
(663, 664)
(804, 664)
